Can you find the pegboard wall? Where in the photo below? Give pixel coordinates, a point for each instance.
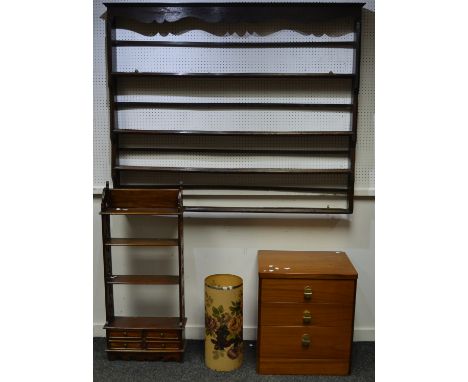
(297, 60)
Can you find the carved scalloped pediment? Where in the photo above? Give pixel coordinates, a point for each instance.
(234, 13)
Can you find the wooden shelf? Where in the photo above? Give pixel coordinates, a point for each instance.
(262, 151)
(199, 186)
(235, 105)
(141, 211)
(275, 210)
(232, 170)
(120, 322)
(144, 279)
(196, 44)
(142, 242)
(232, 133)
(345, 76)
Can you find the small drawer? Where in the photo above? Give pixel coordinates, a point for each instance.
(163, 334)
(122, 333)
(155, 345)
(303, 314)
(308, 291)
(123, 345)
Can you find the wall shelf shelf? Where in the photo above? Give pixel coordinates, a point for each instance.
(345, 76)
(123, 76)
(133, 337)
(128, 242)
(144, 279)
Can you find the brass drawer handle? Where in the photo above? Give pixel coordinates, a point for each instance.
(125, 345)
(306, 317)
(163, 345)
(307, 292)
(305, 340)
(161, 335)
(125, 333)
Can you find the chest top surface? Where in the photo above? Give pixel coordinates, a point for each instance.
(305, 264)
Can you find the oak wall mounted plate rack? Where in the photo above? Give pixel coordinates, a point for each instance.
(314, 142)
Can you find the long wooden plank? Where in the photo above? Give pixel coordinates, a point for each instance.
(144, 279)
(232, 170)
(120, 322)
(132, 242)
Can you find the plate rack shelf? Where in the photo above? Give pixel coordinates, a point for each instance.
(196, 177)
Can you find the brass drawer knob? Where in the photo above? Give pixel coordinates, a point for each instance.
(306, 317)
(163, 345)
(161, 334)
(125, 333)
(307, 292)
(305, 340)
(125, 345)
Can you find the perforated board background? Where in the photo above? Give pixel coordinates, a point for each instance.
(297, 60)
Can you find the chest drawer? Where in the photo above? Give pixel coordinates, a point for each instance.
(308, 291)
(123, 345)
(117, 333)
(154, 345)
(303, 314)
(163, 334)
(305, 342)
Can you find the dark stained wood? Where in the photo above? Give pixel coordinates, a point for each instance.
(234, 12)
(195, 44)
(150, 345)
(233, 75)
(355, 110)
(231, 105)
(305, 264)
(144, 279)
(125, 345)
(141, 211)
(286, 343)
(142, 242)
(160, 335)
(187, 186)
(273, 210)
(147, 198)
(127, 333)
(147, 323)
(224, 132)
(291, 14)
(107, 258)
(112, 91)
(233, 170)
(143, 338)
(180, 236)
(259, 151)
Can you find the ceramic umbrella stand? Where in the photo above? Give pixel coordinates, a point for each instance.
(223, 322)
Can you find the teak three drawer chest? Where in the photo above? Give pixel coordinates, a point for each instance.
(306, 312)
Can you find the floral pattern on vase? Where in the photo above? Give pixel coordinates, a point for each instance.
(223, 329)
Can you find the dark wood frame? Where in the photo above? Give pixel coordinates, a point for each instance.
(151, 203)
(237, 13)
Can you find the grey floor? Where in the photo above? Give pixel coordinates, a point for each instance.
(193, 368)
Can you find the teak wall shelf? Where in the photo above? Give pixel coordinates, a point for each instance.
(290, 13)
(143, 338)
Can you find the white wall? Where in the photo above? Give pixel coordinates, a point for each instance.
(229, 245)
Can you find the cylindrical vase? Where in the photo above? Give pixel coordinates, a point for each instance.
(223, 322)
